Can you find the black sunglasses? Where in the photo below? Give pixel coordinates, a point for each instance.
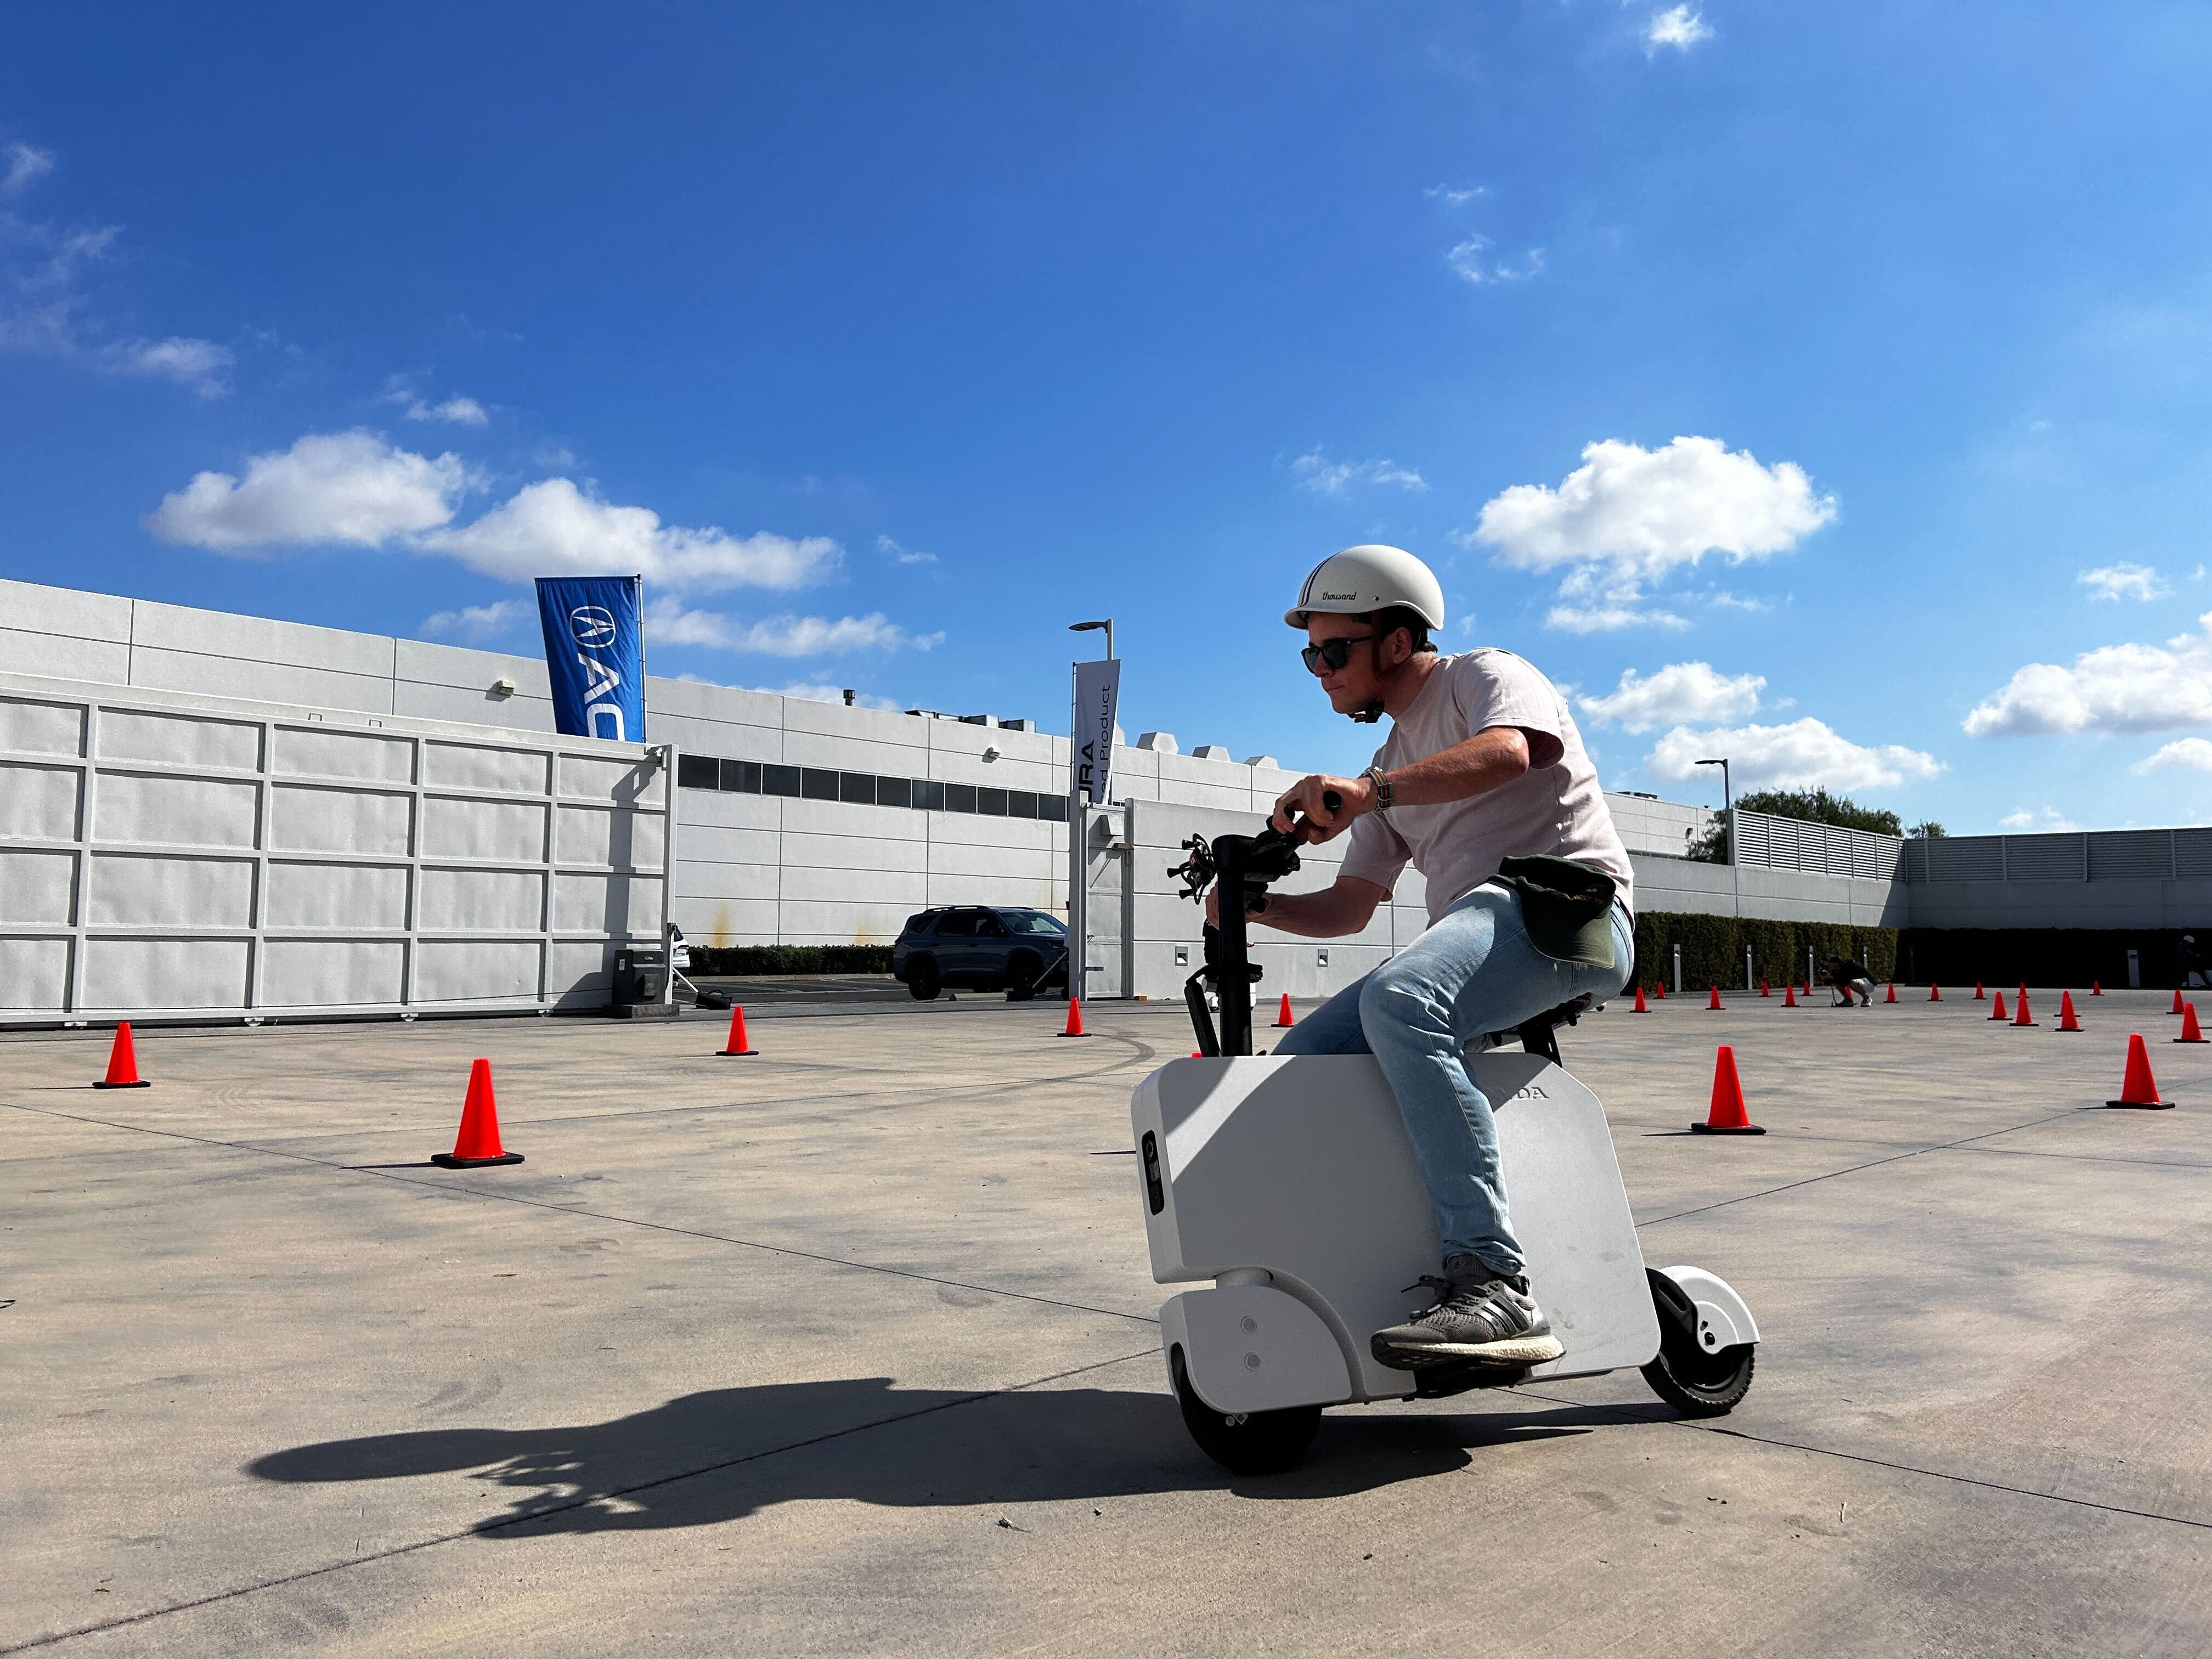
(1333, 652)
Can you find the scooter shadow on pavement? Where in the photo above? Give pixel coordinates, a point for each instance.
(724, 1454)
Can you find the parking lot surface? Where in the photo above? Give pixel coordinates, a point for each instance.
(848, 1348)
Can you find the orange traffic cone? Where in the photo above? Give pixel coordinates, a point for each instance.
(1892, 997)
(1979, 995)
(1763, 991)
(1714, 1000)
(2139, 1088)
(1726, 1116)
(1641, 1007)
(1283, 1014)
(1934, 993)
(2020, 1016)
(2189, 1032)
(2067, 1020)
(2096, 989)
(1198, 1054)
(478, 1142)
(123, 1063)
(1659, 990)
(738, 1044)
(1789, 996)
(1074, 1019)
(1998, 1013)
(2176, 1001)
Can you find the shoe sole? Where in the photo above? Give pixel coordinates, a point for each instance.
(1511, 1355)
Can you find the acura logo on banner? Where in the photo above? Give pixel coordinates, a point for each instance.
(1098, 687)
(594, 654)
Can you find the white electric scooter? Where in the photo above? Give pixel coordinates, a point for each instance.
(1288, 1182)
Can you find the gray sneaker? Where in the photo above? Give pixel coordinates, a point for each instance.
(1479, 1317)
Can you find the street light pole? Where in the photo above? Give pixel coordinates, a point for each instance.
(1079, 828)
(1728, 833)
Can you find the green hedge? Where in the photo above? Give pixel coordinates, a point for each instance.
(1713, 946)
(2044, 956)
(791, 959)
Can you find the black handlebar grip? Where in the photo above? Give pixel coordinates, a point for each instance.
(1333, 800)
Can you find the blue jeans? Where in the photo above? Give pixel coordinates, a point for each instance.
(1474, 971)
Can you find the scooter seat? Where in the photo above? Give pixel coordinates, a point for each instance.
(1536, 1035)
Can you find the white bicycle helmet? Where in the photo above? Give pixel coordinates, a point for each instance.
(1371, 577)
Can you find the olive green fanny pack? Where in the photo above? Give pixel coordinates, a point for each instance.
(1567, 905)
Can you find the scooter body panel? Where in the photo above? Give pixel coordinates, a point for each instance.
(1298, 1166)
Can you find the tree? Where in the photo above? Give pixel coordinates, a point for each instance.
(1927, 830)
(1811, 805)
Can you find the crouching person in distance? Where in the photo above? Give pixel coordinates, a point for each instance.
(1484, 787)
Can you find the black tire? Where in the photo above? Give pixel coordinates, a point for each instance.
(1258, 1443)
(1022, 971)
(923, 982)
(1695, 1381)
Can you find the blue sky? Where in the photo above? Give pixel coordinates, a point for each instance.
(1829, 387)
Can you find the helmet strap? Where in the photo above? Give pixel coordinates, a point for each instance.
(1368, 713)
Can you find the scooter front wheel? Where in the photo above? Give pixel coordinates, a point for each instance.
(1244, 1443)
(1694, 1383)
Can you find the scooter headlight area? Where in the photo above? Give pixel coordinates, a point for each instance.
(1288, 1183)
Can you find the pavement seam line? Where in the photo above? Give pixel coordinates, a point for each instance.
(1624, 1415)
(1855, 1169)
(594, 1215)
(483, 1528)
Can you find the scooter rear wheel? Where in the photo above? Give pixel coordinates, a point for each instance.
(1694, 1383)
(1250, 1442)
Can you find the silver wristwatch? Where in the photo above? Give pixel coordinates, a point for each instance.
(1382, 791)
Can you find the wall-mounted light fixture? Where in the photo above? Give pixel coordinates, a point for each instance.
(503, 687)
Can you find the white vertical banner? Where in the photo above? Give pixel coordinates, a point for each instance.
(1090, 762)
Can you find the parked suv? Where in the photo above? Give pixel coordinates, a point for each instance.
(981, 948)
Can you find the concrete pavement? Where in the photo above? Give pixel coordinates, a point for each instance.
(848, 1348)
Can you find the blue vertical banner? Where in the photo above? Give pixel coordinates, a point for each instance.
(595, 652)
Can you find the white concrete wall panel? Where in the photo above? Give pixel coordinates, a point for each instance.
(706, 843)
(33, 974)
(325, 973)
(184, 740)
(854, 853)
(308, 818)
(246, 679)
(483, 770)
(38, 889)
(39, 802)
(24, 652)
(127, 974)
(495, 831)
(478, 971)
(357, 897)
(471, 707)
(871, 922)
(485, 902)
(361, 757)
(159, 892)
(259, 639)
(707, 882)
(717, 919)
(600, 835)
(909, 888)
(598, 903)
(133, 907)
(40, 728)
(153, 806)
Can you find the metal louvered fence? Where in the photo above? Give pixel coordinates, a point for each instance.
(2090, 855)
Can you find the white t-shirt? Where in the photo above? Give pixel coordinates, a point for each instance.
(1555, 806)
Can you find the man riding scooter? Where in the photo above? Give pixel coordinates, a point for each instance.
(1484, 787)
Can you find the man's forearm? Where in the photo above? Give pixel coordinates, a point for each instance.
(1330, 913)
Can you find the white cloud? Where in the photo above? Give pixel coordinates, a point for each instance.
(1804, 754)
(2115, 687)
(201, 365)
(1645, 513)
(1608, 618)
(554, 528)
(1326, 477)
(2195, 753)
(349, 486)
(1681, 693)
(481, 621)
(2124, 581)
(461, 411)
(1467, 259)
(26, 165)
(668, 623)
(1456, 195)
(1679, 27)
(2047, 819)
(891, 549)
